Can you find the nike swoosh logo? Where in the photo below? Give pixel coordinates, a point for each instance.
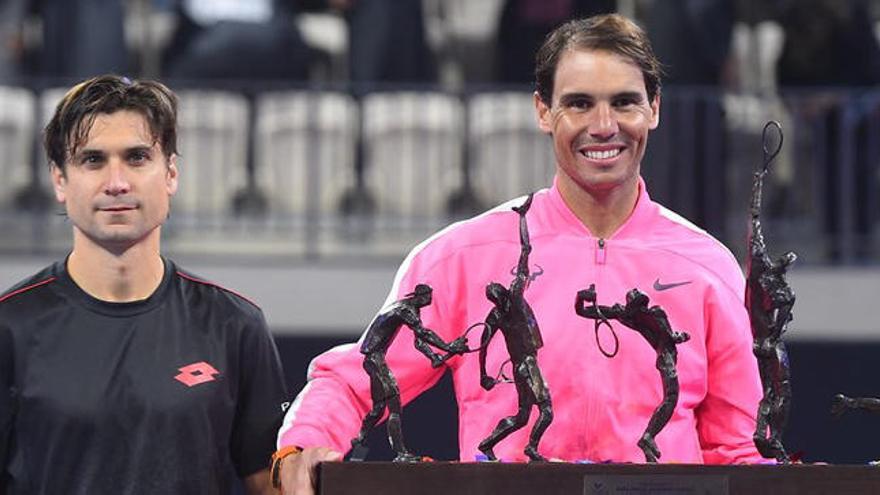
(658, 286)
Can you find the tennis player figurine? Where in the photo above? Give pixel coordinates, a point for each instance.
(843, 403)
(769, 300)
(653, 324)
(513, 316)
(383, 386)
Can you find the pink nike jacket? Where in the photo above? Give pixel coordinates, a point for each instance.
(601, 405)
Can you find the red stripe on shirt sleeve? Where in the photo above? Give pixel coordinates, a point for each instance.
(212, 284)
(25, 289)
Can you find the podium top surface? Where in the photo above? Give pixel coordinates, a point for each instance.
(435, 478)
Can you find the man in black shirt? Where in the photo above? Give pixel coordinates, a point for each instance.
(120, 372)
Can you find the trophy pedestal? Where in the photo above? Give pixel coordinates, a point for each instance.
(436, 478)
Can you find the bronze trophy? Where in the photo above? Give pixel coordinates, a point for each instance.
(842, 403)
(769, 300)
(513, 316)
(383, 386)
(652, 323)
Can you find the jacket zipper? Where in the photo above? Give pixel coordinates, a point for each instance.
(592, 407)
(600, 252)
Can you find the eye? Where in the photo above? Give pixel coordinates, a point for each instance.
(579, 103)
(138, 157)
(92, 160)
(625, 101)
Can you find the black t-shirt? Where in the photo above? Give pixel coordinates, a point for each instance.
(175, 394)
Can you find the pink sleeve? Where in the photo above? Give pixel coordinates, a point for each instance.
(726, 418)
(328, 411)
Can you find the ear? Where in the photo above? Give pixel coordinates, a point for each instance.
(655, 112)
(544, 115)
(171, 175)
(59, 183)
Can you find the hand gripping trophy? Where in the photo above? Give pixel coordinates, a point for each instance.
(769, 300)
(513, 316)
(383, 386)
(652, 323)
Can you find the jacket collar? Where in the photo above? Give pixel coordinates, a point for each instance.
(639, 220)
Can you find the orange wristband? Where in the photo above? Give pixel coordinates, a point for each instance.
(277, 457)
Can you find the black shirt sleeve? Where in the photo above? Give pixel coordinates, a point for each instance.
(7, 400)
(262, 394)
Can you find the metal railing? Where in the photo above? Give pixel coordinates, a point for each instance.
(325, 172)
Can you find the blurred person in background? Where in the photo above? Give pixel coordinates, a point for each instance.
(11, 38)
(524, 24)
(387, 41)
(119, 371)
(831, 50)
(693, 39)
(237, 40)
(78, 38)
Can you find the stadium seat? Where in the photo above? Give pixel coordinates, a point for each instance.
(413, 151)
(16, 141)
(306, 146)
(509, 155)
(213, 148)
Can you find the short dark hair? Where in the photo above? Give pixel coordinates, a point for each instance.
(610, 32)
(76, 112)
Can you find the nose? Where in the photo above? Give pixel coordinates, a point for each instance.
(604, 123)
(117, 181)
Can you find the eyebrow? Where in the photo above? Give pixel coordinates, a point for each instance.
(86, 152)
(569, 97)
(136, 147)
(632, 95)
(141, 148)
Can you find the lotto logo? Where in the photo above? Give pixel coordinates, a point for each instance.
(196, 373)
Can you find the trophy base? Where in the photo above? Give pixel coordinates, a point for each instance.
(441, 478)
(358, 453)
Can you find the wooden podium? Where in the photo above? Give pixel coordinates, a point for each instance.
(441, 478)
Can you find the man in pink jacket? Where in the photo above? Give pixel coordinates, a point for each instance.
(598, 97)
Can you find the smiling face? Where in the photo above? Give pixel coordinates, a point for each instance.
(599, 119)
(117, 185)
